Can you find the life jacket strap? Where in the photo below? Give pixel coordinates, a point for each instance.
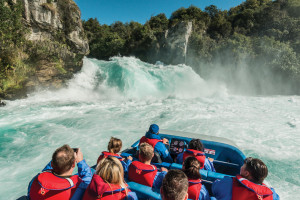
(71, 182)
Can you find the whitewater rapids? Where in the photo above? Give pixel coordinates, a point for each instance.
(122, 97)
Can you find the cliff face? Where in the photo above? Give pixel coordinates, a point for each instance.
(55, 47)
(175, 43)
(169, 47)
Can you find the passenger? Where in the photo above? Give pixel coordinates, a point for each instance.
(197, 191)
(196, 149)
(143, 172)
(157, 143)
(248, 185)
(56, 181)
(114, 147)
(175, 186)
(108, 182)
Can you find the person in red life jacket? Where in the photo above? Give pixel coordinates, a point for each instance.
(56, 181)
(175, 186)
(108, 182)
(197, 191)
(114, 147)
(196, 149)
(248, 185)
(157, 143)
(143, 172)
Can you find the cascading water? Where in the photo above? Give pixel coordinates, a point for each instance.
(122, 97)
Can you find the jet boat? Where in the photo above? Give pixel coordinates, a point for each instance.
(227, 159)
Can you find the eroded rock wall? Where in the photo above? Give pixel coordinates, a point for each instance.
(56, 44)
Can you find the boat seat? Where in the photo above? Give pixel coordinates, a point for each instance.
(156, 158)
(142, 191)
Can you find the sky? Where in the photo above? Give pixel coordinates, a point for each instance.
(110, 11)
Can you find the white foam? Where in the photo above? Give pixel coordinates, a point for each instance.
(31, 129)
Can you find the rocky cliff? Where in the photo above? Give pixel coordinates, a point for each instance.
(55, 45)
(175, 43)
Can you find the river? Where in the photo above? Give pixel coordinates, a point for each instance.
(122, 97)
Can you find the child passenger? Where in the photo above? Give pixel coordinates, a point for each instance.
(196, 191)
(195, 149)
(114, 147)
(143, 172)
(108, 182)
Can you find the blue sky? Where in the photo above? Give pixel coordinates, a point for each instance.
(109, 11)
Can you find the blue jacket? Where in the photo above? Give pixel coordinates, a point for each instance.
(204, 195)
(222, 189)
(160, 148)
(84, 172)
(158, 179)
(126, 165)
(207, 164)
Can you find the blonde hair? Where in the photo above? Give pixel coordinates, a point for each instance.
(111, 171)
(114, 145)
(146, 151)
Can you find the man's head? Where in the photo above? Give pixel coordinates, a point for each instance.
(175, 186)
(254, 170)
(196, 144)
(63, 159)
(146, 152)
(154, 129)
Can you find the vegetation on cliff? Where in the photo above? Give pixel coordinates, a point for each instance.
(41, 44)
(262, 36)
(13, 70)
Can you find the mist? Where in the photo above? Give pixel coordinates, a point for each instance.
(244, 73)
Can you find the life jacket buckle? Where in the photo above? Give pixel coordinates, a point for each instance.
(42, 191)
(138, 171)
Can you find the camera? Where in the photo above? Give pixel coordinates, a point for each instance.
(75, 150)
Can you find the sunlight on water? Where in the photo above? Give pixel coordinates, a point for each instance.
(122, 97)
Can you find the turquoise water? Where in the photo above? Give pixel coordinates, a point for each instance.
(122, 97)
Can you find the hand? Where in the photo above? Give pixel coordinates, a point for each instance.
(129, 158)
(211, 159)
(78, 156)
(165, 141)
(164, 169)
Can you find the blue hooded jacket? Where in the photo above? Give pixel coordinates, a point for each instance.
(159, 147)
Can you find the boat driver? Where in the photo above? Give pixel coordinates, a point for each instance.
(246, 186)
(157, 143)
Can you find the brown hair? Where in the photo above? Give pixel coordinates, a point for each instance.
(114, 145)
(62, 159)
(175, 185)
(192, 167)
(196, 144)
(257, 169)
(146, 151)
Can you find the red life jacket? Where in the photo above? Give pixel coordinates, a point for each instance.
(152, 142)
(48, 186)
(194, 189)
(197, 154)
(142, 173)
(243, 189)
(98, 189)
(105, 154)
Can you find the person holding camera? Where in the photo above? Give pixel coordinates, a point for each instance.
(56, 180)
